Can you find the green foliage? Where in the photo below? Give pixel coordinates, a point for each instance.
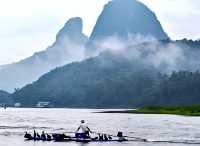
(180, 88)
(177, 110)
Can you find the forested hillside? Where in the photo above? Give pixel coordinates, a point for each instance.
(112, 80)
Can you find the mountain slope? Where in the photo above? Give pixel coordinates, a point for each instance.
(103, 81)
(68, 47)
(4, 97)
(114, 79)
(3, 93)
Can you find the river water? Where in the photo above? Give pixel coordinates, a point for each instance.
(158, 130)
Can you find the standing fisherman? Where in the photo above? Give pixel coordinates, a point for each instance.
(83, 131)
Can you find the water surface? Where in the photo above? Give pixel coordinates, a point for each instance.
(159, 130)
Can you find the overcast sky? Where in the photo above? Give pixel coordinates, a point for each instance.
(27, 26)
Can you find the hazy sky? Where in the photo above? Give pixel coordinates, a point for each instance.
(27, 26)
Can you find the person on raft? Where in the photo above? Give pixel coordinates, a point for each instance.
(43, 136)
(83, 131)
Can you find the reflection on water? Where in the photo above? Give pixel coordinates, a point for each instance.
(159, 130)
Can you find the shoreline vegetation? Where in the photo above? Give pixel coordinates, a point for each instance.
(173, 110)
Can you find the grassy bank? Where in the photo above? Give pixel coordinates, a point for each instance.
(176, 110)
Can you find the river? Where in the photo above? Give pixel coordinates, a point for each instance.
(158, 130)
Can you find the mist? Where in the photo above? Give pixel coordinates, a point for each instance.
(164, 56)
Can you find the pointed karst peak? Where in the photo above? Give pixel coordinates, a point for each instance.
(68, 47)
(73, 27)
(124, 17)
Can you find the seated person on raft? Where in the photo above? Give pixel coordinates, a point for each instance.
(43, 136)
(83, 131)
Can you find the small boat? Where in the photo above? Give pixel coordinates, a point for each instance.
(56, 137)
(63, 137)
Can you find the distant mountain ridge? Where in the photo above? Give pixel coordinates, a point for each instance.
(119, 18)
(68, 47)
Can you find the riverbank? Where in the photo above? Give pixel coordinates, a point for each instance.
(176, 110)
